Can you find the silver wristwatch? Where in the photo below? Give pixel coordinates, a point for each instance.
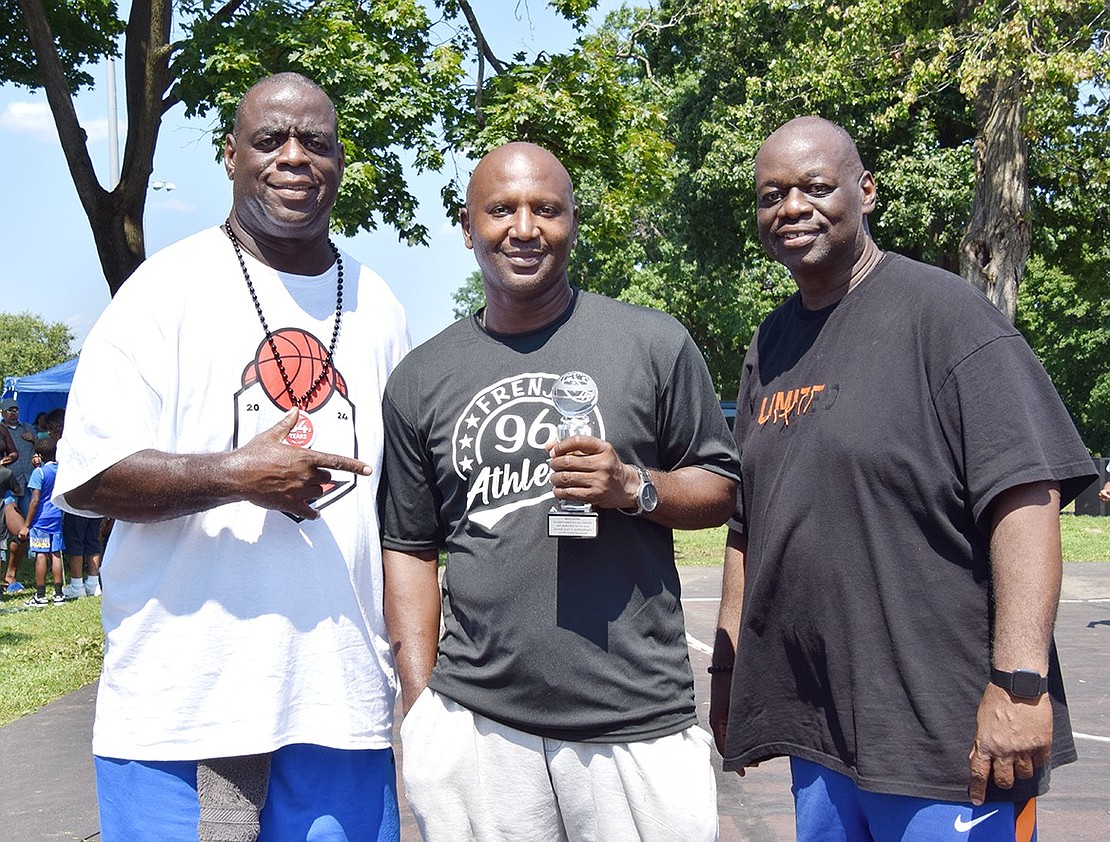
(647, 498)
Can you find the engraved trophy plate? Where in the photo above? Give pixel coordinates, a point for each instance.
(574, 396)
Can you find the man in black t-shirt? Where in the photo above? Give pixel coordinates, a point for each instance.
(559, 697)
(893, 566)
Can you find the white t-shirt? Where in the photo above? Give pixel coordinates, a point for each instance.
(237, 630)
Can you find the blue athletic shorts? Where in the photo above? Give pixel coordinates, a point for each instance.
(45, 542)
(830, 807)
(315, 793)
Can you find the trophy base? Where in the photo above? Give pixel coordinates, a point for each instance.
(563, 524)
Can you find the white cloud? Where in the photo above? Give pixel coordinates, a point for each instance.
(98, 129)
(32, 118)
(35, 119)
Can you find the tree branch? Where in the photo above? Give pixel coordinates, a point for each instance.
(483, 46)
(478, 114)
(70, 133)
(645, 26)
(227, 10)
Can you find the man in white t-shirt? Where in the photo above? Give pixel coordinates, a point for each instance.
(227, 413)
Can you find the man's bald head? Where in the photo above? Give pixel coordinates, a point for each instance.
(814, 131)
(279, 81)
(515, 155)
(286, 163)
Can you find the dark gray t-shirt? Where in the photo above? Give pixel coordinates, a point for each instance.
(572, 639)
(874, 435)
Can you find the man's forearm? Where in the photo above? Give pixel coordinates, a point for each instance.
(412, 614)
(1026, 570)
(692, 498)
(152, 486)
(726, 637)
(732, 600)
(1013, 735)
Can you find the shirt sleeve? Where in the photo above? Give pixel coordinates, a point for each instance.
(692, 425)
(740, 424)
(1007, 426)
(409, 499)
(114, 403)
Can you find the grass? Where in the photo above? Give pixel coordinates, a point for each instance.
(1082, 538)
(703, 548)
(46, 653)
(1085, 538)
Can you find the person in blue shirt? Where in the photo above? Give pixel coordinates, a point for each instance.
(43, 529)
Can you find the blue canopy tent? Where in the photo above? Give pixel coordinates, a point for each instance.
(41, 392)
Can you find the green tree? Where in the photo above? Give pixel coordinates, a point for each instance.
(470, 297)
(961, 110)
(395, 82)
(588, 109)
(1064, 302)
(29, 344)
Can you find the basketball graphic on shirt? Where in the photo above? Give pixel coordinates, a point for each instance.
(304, 357)
(327, 418)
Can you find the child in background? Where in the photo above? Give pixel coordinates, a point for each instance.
(40, 426)
(44, 525)
(80, 535)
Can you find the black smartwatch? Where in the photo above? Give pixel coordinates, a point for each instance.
(1022, 684)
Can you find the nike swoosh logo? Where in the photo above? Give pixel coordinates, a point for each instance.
(963, 827)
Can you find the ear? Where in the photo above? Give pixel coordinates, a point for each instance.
(464, 220)
(229, 156)
(869, 193)
(342, 161)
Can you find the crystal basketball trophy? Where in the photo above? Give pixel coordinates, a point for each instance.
(574, 396)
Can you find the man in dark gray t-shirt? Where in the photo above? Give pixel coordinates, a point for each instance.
(559, 694)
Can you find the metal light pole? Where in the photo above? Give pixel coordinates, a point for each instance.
(113, 128)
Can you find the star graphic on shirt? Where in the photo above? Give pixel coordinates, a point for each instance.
(472, 421)
(466, 441)
(466, 464)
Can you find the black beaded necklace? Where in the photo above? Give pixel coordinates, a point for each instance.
(302, 401)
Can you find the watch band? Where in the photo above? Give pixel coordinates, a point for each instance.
(645, 480)
(1024, 684)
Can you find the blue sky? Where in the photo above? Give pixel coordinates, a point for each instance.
(50, 265)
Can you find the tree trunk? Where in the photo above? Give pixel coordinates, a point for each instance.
(116, 217)
(996, 243)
